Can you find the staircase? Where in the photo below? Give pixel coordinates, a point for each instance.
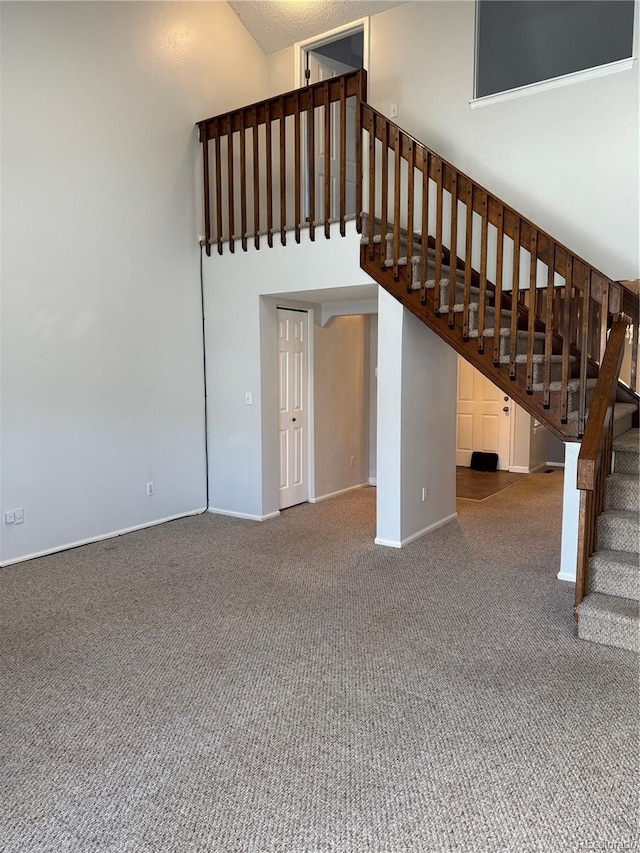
(610, 613)
(540, 322)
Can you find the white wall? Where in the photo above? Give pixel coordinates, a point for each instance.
(567, 158)
(240, 312)
(101, 362)
(341, 386)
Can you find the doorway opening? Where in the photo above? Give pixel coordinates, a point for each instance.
(321, 59)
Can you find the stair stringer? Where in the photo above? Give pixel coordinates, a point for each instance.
(468, 348)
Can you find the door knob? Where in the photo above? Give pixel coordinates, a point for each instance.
(506, 399)
(505, 408)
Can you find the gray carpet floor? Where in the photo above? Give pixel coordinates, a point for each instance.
(290, 687)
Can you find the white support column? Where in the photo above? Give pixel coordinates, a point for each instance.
(416, 427)
(570, 512)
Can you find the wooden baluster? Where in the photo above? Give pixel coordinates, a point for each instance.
(584, 349)
(384, 210)
(453, 247)
(548, 327)
(566, 338)
(411, 162)
(497, 302)
(634, 358)
(482, 299)
(438, 260)
(372, 183)
(243, 183)
(531, 328)
(396, 201)
(515, 300)
(327, 160)
(231, 187)
(343, 156)
(604, 317)
(283, 175)
(468, 246)
(218, 191)
(267, 119)
(311, 165)
(256, 180)
(297, 181)
(204, 134)
(359, 175)
(425, 225)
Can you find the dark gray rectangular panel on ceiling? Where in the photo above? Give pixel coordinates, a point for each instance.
(525, 41)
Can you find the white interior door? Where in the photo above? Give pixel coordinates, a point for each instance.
(293, 487)
(322, 68)
(483, 417)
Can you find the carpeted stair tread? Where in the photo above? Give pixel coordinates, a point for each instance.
(615, 573)
(611, 620)
(623, 492)
(629, 442)
(572, 385)
(623, 417)
(618, 530)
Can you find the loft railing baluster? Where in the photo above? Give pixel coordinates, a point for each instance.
(343, 156)
(548, 327)
(297, 188)
(358, 131)
(269, 141)
(531, 328)
(515, 300)
(372, 183)
(218, 190)
(231, 187)
(438, 259)
(468, 248)
(243, 183)
(311, 165)
(256, 178)
(424, 248)
(396, 201)
(283, 175)
(205, 176)
(453, 248)
(327, 160)
(482, 298)
(497, 302)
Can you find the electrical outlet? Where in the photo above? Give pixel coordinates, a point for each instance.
(9, 517)
(425, 493)
(248, 398)
(151, 489)
(19, 515)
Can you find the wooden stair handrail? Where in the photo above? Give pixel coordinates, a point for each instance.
(594, 459)
(513, 221)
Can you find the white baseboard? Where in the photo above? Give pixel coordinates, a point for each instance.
(373, 481)
(519, 469)
(563, 576)
(391, 543)
(245, 515)
(99, 538)
(555, 464)
(317, 500)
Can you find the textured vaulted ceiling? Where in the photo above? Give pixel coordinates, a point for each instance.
(275, 24)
